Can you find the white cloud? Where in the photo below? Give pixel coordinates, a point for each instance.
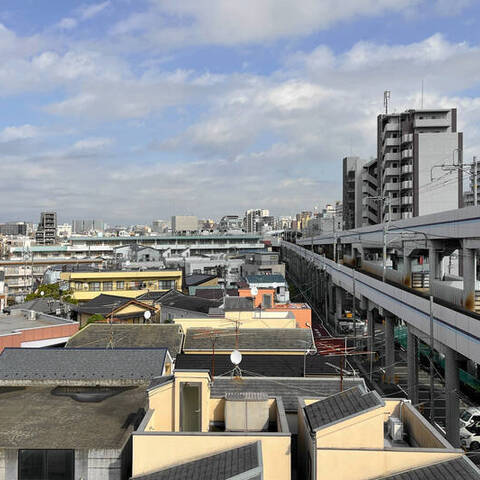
(87, 12)
(67, 23)
(93, 144)
(23, 132)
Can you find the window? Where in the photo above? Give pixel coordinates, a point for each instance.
(94, 286)
(108, 286)
(45, 464)
(121, 285)
(78, 286)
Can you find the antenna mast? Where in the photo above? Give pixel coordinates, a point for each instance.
(386, 100)
(422, 93)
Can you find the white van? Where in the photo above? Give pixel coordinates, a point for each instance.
(470, 436)
(469, 415)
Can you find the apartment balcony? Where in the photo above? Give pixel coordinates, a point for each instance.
(408, 138)
(407, 168)
(390, 172)
(408, 200)
(391, 187)
(369, 191)
(369, 178)
(367, 214)
(392, 127)
(407, 214)
(391, 156)
(390, 142)
(407, 153)
(394, 201)
(407, 185)
(431, 123)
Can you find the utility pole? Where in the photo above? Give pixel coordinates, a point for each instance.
(432, 384)
(353, 311)
(475, 201)
(334, 241)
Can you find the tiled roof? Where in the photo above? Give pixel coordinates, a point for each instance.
(275, 278)
(243, 461)
(198, 279)
(340, 406)
(263, 339)
(176, 299)
(151, 335)
(81, 364)
(238, 304)
(150, 296)
(457, 469)
(289, 389)
(103, 304)
(266, 365)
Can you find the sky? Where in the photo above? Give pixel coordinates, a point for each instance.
(134, 110)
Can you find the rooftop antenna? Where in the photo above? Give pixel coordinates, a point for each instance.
(236, 359)
(386, 100)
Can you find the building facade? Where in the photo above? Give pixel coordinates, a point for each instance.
(46, 233)
(184, 223)
(409, 145)
(352, 192)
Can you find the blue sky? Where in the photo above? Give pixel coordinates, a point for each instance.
(132, 110)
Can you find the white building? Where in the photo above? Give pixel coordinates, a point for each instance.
(184, 223)
(253, 221)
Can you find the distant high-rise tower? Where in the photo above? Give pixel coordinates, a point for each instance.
(409, 144)
(46, 233)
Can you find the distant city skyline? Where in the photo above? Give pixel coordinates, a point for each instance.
(121, 110)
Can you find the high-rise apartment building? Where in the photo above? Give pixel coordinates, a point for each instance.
(468, 196)
(352, 192)
(13, 228)
(230, 223)
(253, 220)
(184, 224)
(409, 144)
(46, 233)
(87, 226)
(367, 205)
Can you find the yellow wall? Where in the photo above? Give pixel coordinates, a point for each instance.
(370, 464)
(162, 401)
(155, 452)
(361, 431)
(187, 323)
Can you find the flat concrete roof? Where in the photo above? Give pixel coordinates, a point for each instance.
(20, 320)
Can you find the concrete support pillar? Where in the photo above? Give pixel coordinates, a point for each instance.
(469, 280)
(435, 261)
(412, 362)
(452, 386)
(407, 270)
(338, 305)
(370, 330)
(389, 358)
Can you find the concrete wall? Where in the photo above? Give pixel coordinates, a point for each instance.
(262, 322)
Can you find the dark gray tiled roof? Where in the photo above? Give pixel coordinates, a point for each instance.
(458, 469)
(267, 365)
(263, 339)
(81, 364)
(289, 389)
(103, 304)
(150, 296)
(340, 406)
(197, 279)
(233, 304)
(46, 417)
(98, 335)
(221, 466)
(176, 299)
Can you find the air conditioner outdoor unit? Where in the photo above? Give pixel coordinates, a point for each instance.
(395, 429)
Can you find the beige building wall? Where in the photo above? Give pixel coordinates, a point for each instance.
(154, 452)
(187, 323)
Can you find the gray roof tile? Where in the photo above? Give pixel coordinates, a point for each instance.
(340, 406)
(81, 364)
(289, 389)
(250, 339)
(220, 466)
(458, 469)
(151, 335)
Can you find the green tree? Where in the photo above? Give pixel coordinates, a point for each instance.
(52, 290)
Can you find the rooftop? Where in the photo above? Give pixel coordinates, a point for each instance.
(19, 366)
(263, 365)
(457, 469)
(105, 304)
(341, 406)
(250, 236)
(274, 278)
(198, 279)
(238, 304)
(21, 320)
(52, 417)
(241, 462)
(263, 339)
(289, 389)
(150, 335)
(176, 299)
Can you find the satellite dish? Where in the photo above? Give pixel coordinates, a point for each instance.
(147, 314)
(254, 291)
(236, 357)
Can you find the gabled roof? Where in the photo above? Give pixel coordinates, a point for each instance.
(265, 365)
(245, 461)
(198, 279)
(150, 335)
(275, 278)
(457, 469)
(176, 299)
(211, 293)
(81, 365)
(341, 406)
(150, 296)
(262, 339)
(106, 304)
(289, 389)
(238, 304)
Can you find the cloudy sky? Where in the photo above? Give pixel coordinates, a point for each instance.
(131, 110)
